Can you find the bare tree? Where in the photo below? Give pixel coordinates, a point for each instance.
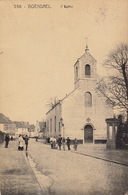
(115, 86)
(52, 102)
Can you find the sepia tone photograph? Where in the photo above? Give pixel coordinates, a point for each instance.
(63, 97)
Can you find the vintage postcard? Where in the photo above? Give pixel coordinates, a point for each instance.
(63, 97)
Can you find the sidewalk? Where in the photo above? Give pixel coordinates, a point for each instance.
(99, 151)
(16, 176)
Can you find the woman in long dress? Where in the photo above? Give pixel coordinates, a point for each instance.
(75, 144)
(20, 146)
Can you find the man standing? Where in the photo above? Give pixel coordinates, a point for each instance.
(63, 142)
(68, 143)
(59, 142)
(26, 142)
(7, 139)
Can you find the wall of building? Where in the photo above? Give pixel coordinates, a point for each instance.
(72, 115)
(22, 131)
(76, 115)
(1, 137)
(1, 127)
(8, 128)
(53, 125)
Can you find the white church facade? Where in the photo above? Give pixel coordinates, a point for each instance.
(82, 113)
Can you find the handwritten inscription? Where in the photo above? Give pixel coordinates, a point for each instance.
(66, 6)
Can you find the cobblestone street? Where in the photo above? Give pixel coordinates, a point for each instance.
(16, 176)
(76, 174)
(45, 171)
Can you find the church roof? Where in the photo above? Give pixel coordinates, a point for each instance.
(53, 106)
(67, 95)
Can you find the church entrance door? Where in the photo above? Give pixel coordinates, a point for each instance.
(88, 134)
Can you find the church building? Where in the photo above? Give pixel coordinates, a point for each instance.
(81, 114)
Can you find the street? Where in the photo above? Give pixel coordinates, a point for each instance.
(91, 170)
(69, 173)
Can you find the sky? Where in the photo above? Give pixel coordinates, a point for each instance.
(39, 46)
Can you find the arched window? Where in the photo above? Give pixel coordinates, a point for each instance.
(76, 72)
(87, 70)
(88, 99)
(47, 125)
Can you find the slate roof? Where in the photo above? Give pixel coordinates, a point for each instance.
(32, 126)
(42, 124)
(5, 120)
(20, 124)
(42, 127)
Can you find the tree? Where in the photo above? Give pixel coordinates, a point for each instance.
(52, 102)
(115, 86)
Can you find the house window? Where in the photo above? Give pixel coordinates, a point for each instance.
(87, 70)
(55, 124)
(88, 99)
(59, 126)
(50, 125)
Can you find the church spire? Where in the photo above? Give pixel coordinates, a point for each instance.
(86, 50)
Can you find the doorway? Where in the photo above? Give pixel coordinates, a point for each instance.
(88, 134)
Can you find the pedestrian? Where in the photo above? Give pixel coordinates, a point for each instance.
(11, 138)
(20, 143)
(51, 142)
(75, 144)
(63, 142)
(48, 140)
(68, 143)
(36, 138)
(59, 142)
(26, 142)
(54, 142)
(7, 139)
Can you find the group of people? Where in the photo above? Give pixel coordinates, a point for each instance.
(21, 141)
(62, 142)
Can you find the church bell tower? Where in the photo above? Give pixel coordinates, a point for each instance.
(85, 70)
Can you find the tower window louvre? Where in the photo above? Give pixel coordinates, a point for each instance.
(87, 70)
